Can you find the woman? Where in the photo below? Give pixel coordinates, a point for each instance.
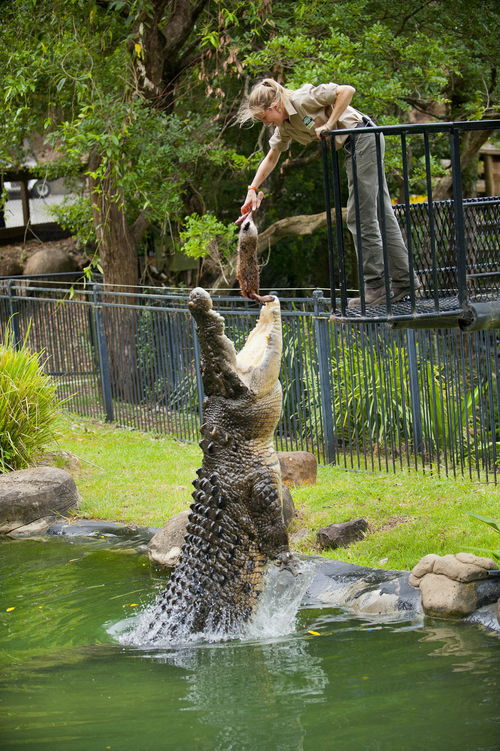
(302, 115)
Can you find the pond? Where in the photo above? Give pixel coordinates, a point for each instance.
(67, 683)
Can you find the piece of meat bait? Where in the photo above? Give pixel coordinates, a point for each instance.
(247, 269)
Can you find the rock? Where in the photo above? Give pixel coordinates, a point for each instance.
(362, 590)
(341, 535)
(473, 569)
(10, 266)
(37, 527)
(288, 506)
(298, 468)
(445, 597)
(164, 548)
(424, 566)
(30, 495)
(498, 611)
(462, 567)
(50, 261)
(455, 585)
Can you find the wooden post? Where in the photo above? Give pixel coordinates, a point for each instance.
(25, 202)
(489, 175)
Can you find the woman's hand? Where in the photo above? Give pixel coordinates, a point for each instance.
(252, 201)
(254, 197)
(324, 128)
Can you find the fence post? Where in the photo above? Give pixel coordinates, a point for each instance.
(321, 334)
(197, 367)
(414, 391)
(13, 313)
(458, 212)
(102, 355)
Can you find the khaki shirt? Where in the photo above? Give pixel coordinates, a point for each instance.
(308, 108)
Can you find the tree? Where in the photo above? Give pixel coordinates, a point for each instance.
(419, 55)
(143, 94)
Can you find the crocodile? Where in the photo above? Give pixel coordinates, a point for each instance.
(235, 526)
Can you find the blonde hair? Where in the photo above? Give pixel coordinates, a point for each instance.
(263, 95)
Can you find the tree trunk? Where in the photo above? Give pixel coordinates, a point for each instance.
(115, 239)
(117, 249)
(471, 142)
(166, 50)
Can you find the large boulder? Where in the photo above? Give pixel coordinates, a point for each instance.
(9, 265)
(164, 548)
(32, 499)
(453, 586)
(298, 468)
(50, 261)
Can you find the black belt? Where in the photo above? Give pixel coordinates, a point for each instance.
(366, 122)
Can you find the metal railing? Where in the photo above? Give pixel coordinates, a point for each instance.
(453, 246)
(368, 397)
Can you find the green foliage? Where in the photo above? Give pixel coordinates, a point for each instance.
(494, 524)
(76, 217)
(68, 73)
(161, 384)
(410, 52)
(372, 395)
(205, 235)
(28, 405)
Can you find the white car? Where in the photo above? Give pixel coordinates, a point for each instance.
(36, 188)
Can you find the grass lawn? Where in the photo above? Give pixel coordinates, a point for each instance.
(141, 478)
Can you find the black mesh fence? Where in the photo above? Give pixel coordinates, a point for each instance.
(452, 246)
(367, 397)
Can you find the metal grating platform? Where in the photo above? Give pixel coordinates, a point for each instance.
(453, 245)
(425, 309)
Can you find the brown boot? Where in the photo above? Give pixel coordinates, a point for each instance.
(402, 291)
(373, 296)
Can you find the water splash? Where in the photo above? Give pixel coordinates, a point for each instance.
(279, 602)
(275, 616)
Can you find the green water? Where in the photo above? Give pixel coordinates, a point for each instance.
(66, 684)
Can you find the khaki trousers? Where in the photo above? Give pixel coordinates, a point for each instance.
(368, 202)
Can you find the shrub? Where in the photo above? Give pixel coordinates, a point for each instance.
(28, 405)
